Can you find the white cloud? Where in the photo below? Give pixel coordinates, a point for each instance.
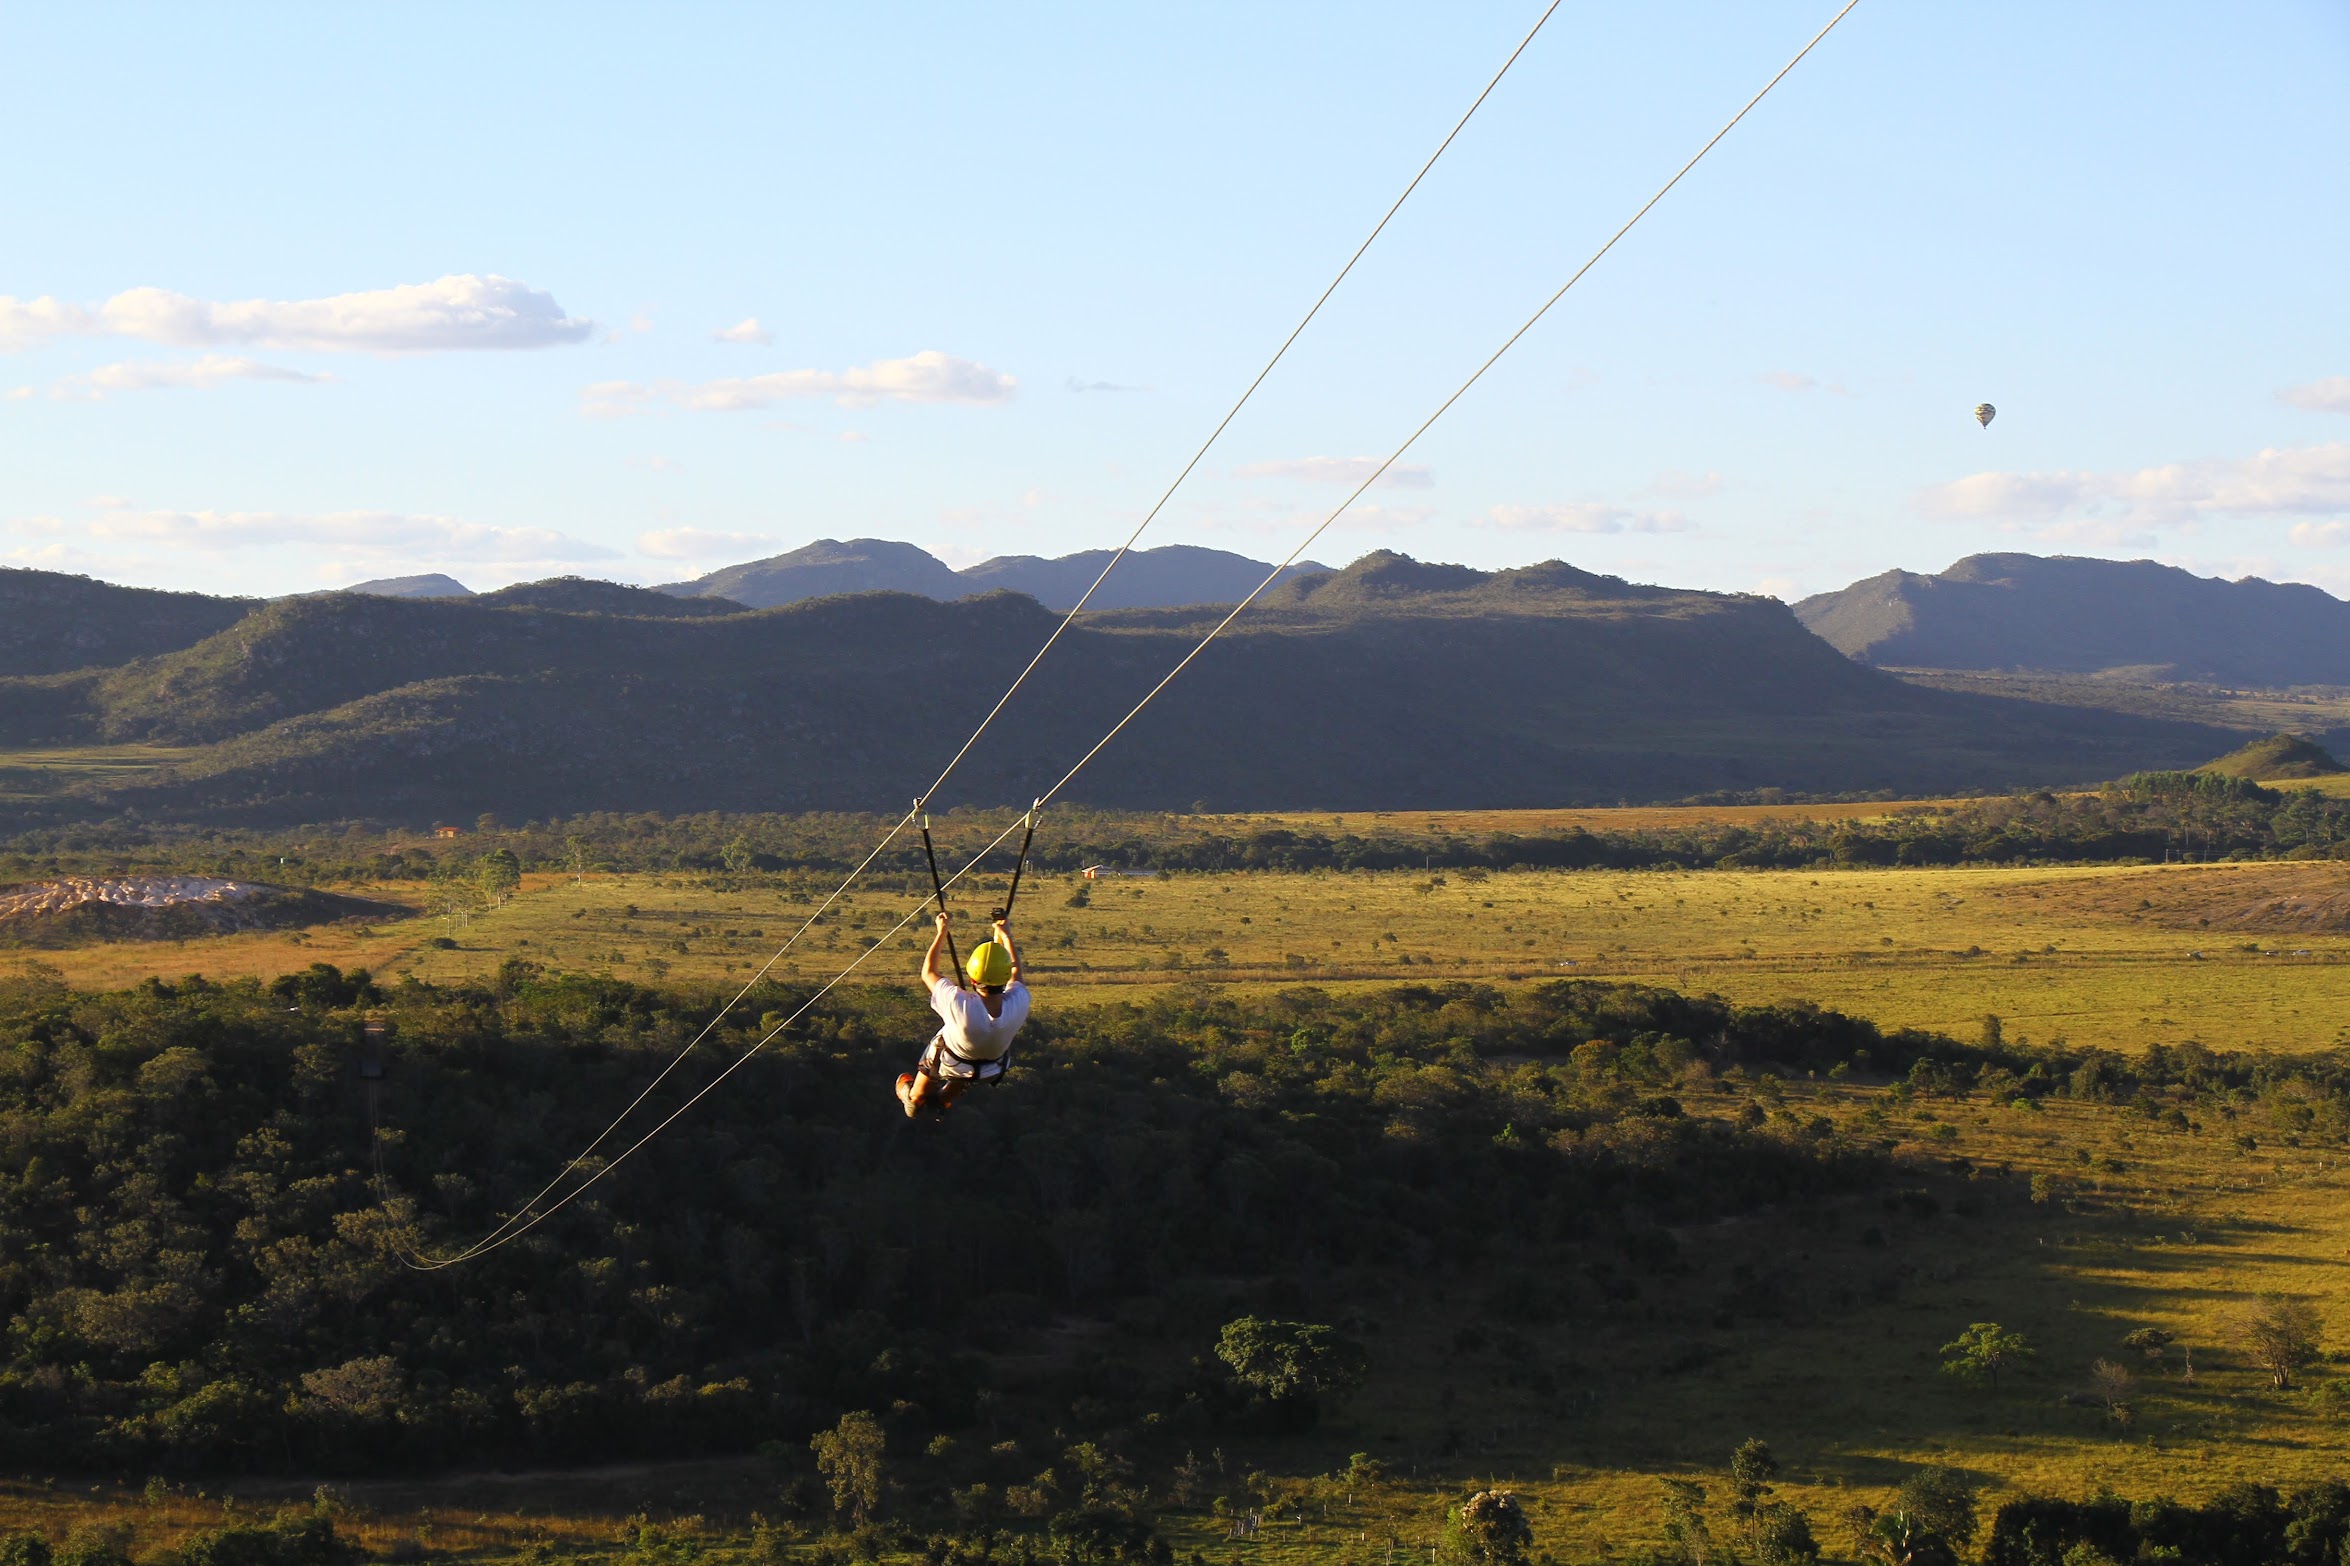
(2127, 507)
(929, 376)
(1675, 485)
(1341, 470)
(1584, 516)
(58, 557)
(463, 311)
(22, 393)
(1794, 381)
(1076, 385)
(747, 330)
(2331, 395)
(1384, 519)
(2320, 535)
(369, 533)
(655, 464)
(24, 322)
(693, 543)
(203, 374)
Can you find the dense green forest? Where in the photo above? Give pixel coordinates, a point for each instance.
(2149, 816)
(200, 1270)
(201, 1273)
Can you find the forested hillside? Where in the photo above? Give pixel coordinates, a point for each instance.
(1389, 684)
(51, 623)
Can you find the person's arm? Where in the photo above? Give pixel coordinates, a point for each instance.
(1003, 935)
(934, 971)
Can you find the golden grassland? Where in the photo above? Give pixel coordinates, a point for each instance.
(1612, 818)
(38, 772)
(1819, 1335)
(2231, 955)
(1826, 1342)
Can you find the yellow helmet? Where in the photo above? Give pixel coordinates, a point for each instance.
(989, 966)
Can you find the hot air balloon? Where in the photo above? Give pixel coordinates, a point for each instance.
(1985, 413)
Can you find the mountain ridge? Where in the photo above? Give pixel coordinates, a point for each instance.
(2078, 615)
(1170, 576)
(1393, 684)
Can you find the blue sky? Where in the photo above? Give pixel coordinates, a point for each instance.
(293, 296)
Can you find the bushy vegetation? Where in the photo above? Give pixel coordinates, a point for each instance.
(2250, 1525)
(199, 1271)
(2149, 816)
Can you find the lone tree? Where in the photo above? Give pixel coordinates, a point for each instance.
(2281, 1334)
(1985, 1350)
(1942, 1500)
(1685, 1522)
(1488, 1529)
(1898, 1538)
(1293, 1365)
(1779, 1534)
(849, 1457)
(2149, 1341)
(498, 874)
(1752, 1468)
(2111, 1385)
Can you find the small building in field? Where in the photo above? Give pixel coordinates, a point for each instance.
(448, 831)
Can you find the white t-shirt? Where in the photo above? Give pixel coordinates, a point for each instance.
(970, 1032)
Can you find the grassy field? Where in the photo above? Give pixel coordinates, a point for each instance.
(1616, 818)
(2306, 709)
(1821, 1336)
(36, 774)
(2241, 956)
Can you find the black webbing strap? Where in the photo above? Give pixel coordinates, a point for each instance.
(939, 889)
(1019, 864)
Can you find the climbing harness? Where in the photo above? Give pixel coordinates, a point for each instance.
(982, 1070)
(530, 1215)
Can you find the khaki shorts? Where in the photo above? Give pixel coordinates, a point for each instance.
(944, 1065)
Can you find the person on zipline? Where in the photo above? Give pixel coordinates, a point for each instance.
(979, 1021)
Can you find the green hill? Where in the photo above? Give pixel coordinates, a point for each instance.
(51, 623)
(2277, 757)
(1390, 684)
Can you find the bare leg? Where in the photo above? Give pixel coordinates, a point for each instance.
(918, 1090)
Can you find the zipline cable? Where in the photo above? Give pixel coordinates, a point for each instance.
(1234, 412)
(1442, 408)
(678, 1059)
(536, 1218)
(1066, 621)
(522, 1223)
